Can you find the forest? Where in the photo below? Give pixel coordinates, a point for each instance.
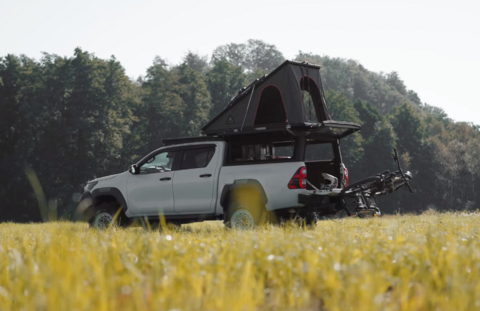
(66, 120)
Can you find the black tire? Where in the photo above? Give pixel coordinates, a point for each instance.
(243, 217)
(105, 215)
(246, 209)
(311, 220)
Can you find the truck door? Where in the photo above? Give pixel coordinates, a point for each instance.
(151, 191)
(193, 183)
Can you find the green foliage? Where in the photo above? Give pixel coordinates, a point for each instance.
(379, 146)
(71, 115)
(197, 62)
(355, 82)
(409, 128)
(20, 77)
(341, 108)
(369, 117)
(394, 81)
(255, 55)
(234, 53)
(192, 89)
(262, 56)
(161, 112)
(224, 80)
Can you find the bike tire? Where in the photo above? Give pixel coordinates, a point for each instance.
(370, 182)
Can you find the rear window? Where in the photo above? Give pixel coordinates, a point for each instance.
(319, 152)
(256, 151)
(197, 158)
(283, 150)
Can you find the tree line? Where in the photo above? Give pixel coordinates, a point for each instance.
(65, 120)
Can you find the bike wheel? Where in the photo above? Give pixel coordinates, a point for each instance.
(364, 184)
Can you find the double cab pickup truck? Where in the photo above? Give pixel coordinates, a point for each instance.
(244, 181)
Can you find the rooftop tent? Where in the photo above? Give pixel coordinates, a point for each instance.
(276, 101)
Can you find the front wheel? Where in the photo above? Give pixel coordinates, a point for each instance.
(105, 215)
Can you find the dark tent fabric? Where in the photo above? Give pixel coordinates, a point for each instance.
(274, 101)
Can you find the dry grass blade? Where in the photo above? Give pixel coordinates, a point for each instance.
(429, 262)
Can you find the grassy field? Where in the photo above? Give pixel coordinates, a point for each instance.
(429, 262)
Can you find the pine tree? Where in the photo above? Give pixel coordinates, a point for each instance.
(20, 78)
(192, 89)
(162, 112)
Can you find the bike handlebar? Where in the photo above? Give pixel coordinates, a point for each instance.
(396, 159)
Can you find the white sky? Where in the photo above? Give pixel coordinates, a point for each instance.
(433, 45)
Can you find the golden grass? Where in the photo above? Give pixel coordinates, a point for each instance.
(429, 262)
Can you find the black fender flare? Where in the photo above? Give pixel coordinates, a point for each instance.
(109, 192)
(228, 189)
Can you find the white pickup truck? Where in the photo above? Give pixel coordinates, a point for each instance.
(243, 181)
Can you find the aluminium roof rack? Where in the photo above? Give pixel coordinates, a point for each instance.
(186, 140)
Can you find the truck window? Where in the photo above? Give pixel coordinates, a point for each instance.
(197, 158)
(283, 150)
(255, 151)
(159, 163)
(319, 152)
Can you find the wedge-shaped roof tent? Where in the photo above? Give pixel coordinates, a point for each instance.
(277, 101)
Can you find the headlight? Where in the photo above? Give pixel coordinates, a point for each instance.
(90, 185)
(409, 175)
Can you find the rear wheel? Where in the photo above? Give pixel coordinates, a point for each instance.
(242, 217)
(246, 209)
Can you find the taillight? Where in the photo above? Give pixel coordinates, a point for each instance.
(299, 180)
(345, 176)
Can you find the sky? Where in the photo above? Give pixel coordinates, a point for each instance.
(433, 45)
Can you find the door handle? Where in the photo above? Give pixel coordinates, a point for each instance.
(206, 175)
(165, 178)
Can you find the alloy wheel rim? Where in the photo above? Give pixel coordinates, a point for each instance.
(242, 219)
(103, 220)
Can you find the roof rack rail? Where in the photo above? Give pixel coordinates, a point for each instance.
(186, 140)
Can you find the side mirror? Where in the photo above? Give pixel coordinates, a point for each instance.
(133, 169)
